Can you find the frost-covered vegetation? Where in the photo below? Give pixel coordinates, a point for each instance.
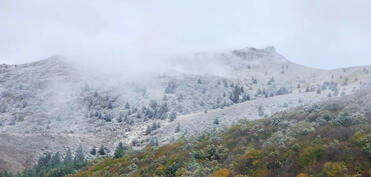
(55, 102)
(328, 139)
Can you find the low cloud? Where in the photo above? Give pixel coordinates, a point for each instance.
(142, 35)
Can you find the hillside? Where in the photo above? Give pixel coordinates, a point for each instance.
(55, 104)
(331, 138)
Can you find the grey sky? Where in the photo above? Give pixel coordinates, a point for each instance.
(318, 33)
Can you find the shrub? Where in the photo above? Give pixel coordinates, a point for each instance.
(359, 119)
(333, 169)
(221, 173)
(170, 171)
(295, 147)
(276, 139)
(344, 119)
(248, 162)
(310, 155)
(300, 129)
(119, 151)
(302, 175)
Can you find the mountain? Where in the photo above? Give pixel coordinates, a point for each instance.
(55, 104)
(330, 138)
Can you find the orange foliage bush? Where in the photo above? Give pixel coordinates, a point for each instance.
(221, 173)
(302, 175)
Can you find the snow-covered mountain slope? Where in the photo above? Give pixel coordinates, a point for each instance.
(54, 104)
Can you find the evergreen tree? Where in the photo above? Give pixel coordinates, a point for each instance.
(170, 88)
(68, 158)
(55, 160)
(154, 126)
(148, 130)
(318, 91)
(5, 174)
(154, 141)
(216, 121)
(177, 129)
(101, 150)
(127, 106)
(44, 162)
(79, 160)
(93, 151)
(235, 95)
(119, 152)
(172, 116)
(260, 111)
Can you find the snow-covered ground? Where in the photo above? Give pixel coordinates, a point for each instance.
(53, 104)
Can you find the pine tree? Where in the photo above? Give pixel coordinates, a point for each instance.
(177, 129)
(119, 152)
(101, 150)
(260, 111)
(235, 95)
(127, 106)
(148, 130)
(93, 151)
(44, 161)
(154, 126)
(79, 157)
(154, 141)
(172, 116)
(55, 160)
(318, 91)
(68, 158)
(216, 121)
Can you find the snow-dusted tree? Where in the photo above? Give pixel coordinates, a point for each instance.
(79, 159)
(235, 95)
(282, 91)
(148, 130)
(170, 88)
(260, 111)
(177, 128)
(55, 160)
(172, 116)
(127, 105)
(119, 151)
(134, 142)
(101, 150)
(154, 141)
(68, 157)
(154, 126)
(319, 91)
(93, 151)
(216, 121)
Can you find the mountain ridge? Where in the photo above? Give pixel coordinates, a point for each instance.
(52, 98)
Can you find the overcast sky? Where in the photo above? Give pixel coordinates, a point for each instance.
(317, 33)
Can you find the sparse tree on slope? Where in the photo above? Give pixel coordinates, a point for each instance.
(93, 151)
(68, 158)
(177, 129)
(101, 150)
(79, 159)
(119, 152)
